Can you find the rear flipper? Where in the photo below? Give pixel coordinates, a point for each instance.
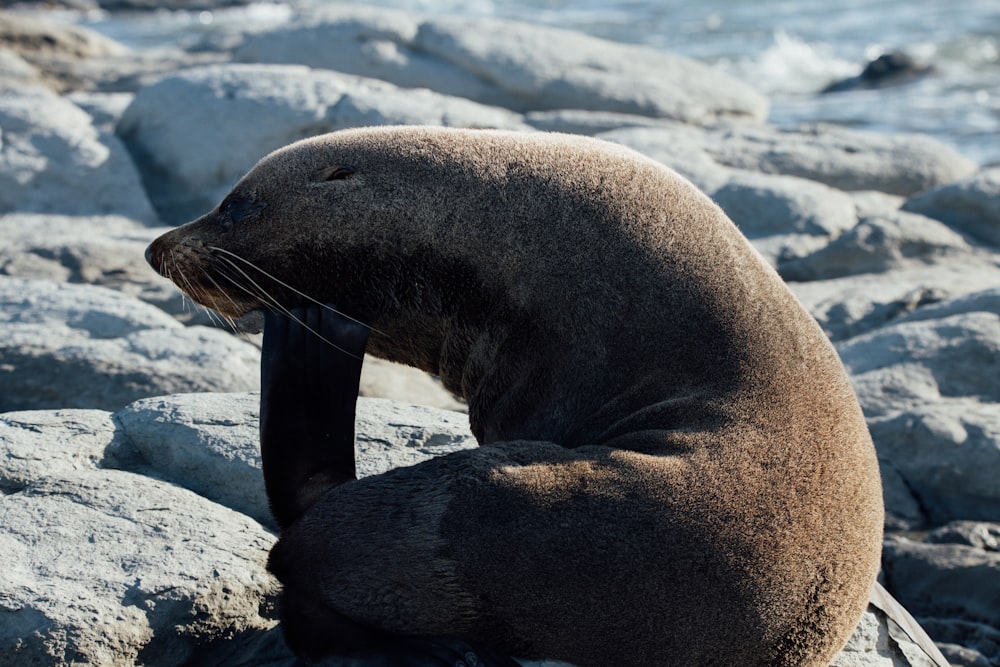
(310, 369)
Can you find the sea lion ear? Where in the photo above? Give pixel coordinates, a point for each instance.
(338, 172)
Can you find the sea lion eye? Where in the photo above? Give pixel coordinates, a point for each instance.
(338, 172)
(237, 209)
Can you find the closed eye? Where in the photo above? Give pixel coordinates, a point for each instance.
(237, 209)
(338, 172)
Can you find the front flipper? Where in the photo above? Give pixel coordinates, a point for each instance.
(310, 369)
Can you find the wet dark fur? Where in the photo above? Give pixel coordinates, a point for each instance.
(674, 468)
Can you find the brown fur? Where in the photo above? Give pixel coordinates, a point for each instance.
(674, 469)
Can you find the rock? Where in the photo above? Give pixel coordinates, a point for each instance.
(853, 305)
(97, 250)
(517, 65)
(965, 642)
(889, 69)
(845, 159)
(840, 158)
(878, 244)
(944, 581)
(108, 567)
(384, 379)
(85, 346)
(680, 147)
(107, 564)
(53, 160)
(977, 534)
(930, 391)
(17, 73)
(194, 440)
(54, 47)
(196, 133)
(971, 205)
(765, 205)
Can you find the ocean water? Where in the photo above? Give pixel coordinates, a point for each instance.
(788, 49)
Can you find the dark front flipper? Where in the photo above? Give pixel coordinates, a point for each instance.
(310, 368)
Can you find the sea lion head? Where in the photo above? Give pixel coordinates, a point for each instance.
(411, 230)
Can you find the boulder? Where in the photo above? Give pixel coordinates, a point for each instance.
(54, 47)
(108, 567)
(517, 65)
(977, 534)
(930, 390)
(194, 440)
(64, 345)
(947, 581)
(878, 244)
(53, 160)
(766, 205)
(971, 205)
(840, 158)
(97, 250)
(122, 546)
(854, 305)
(196, 133)
(385, 379)
(845, 159)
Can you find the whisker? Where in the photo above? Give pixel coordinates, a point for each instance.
(286, 285)
(288, 313)
(195, 292)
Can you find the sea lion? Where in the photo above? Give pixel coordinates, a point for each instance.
(673, 468)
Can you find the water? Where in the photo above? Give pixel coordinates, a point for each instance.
(787, 49)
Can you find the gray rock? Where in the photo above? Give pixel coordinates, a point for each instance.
(194, 440)
(853, 305)
(54, 47)
(944, 580)
(840, 158)
(517, 65)
(97, 250)
(978, 534)
(53, 160)
(194, 134)
(64, 345)
(930, 390)
(878, 244)
(384, 379)
(680, 147)
(765, 205)
(108, 567)
(971, 205)
(845, 159)
(966, 642)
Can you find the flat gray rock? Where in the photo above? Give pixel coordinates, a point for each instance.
(930, 390)
(84, 346)
(948, 581)
(517, 65)
(194, 134)
(849, 160)
(122, 546)
(96, 250)
(878, 244)
(108, 567)
(971, 205)
(853, 305)
(53, 160)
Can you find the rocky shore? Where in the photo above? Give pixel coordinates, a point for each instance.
(133, 520)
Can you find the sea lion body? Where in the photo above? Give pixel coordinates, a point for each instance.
(674, 469)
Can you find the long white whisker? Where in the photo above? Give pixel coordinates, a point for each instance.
(191, 290)
(287, 286)
(288, 313)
